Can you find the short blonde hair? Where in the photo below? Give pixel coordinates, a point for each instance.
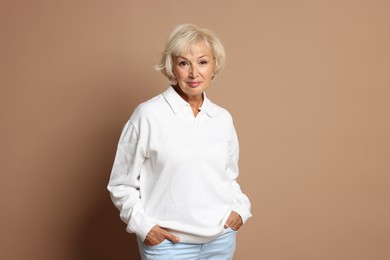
(185, 36)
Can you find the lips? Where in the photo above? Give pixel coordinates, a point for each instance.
(193, 84)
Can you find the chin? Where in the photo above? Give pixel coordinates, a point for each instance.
(195, 91)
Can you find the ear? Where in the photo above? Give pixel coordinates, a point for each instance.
(173, 80)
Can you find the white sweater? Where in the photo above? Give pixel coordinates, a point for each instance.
(178, 171)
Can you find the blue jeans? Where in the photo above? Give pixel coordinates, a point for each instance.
(221, 248)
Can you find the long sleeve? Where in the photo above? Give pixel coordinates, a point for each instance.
(125, 182)
(242, 204)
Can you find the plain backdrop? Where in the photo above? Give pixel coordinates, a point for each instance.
(308, 85)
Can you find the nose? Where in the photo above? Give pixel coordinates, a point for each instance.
(193, 72)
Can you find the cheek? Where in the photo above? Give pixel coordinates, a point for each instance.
(209, 74)
(179, 74)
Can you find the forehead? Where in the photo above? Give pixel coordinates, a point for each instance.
(197, 49)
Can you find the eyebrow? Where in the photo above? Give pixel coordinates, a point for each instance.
(200, 57)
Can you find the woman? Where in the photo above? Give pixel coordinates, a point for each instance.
(174, 174)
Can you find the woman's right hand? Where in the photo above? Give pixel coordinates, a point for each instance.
(156, 235)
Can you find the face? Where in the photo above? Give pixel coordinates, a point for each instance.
(194, 70)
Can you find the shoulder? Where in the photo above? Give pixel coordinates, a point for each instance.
(220, 112)
(148, 107)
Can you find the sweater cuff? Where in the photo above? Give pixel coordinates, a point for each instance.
(244, 214)
(139, 223)
(142, 229)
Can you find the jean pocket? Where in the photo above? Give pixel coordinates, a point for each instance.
(229, 229)
(161, 244)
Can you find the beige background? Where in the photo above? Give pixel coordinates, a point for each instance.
(307, 82)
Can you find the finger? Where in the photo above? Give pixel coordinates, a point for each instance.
(236, 224)
(233, 225)
(171, 237)
(228, 223)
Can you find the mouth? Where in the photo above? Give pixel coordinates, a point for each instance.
(193, 84)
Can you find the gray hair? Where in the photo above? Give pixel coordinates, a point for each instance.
(185, 36)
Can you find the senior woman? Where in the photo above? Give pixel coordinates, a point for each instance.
(175, 170)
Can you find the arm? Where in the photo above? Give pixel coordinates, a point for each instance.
(124, 182)
(242, 206)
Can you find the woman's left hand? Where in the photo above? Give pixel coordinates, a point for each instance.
(234, 221)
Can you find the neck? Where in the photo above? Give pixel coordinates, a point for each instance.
(194, 101)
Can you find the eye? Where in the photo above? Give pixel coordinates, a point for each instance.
(203, 62)
(183, 64)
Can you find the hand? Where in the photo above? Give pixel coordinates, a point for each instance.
(156, 235)
(234, 221)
